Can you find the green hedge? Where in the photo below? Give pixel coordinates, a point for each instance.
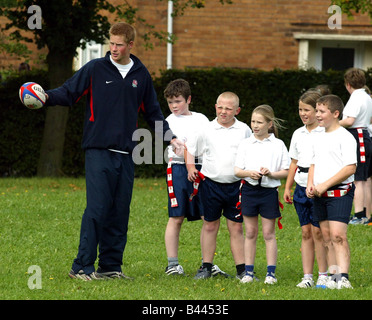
(21, 129)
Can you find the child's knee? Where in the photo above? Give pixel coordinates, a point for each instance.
(211, 226)
(339, 239)
(306, 234)
(268, 235)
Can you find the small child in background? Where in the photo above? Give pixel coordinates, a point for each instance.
(357, 116)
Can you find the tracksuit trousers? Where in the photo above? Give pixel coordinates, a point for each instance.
(109, 183)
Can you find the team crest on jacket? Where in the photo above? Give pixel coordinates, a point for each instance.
(134, 83)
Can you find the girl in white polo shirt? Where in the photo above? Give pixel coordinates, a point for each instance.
(301, 154)
(261, 162)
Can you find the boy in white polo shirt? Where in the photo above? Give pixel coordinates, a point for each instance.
(184, 124)
(330, 183)
(218, 143)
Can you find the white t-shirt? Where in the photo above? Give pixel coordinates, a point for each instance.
(333, 151)
(299, 150)
(123, 68)
(185, 128)
(270, 153)
(359, 107)
(218, 146)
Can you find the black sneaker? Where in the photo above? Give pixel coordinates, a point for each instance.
(174, 270)
(100, 274)
(203, 273)
(217, 271)
(241, 275)
(83, 276)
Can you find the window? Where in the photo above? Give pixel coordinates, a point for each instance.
(338, 52)
(337, 58)
(92, 51)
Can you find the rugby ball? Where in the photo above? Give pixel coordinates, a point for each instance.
(32, 95)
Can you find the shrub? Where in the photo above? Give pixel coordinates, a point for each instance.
(21, 129)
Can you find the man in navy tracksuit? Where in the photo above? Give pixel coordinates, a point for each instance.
(118, 87)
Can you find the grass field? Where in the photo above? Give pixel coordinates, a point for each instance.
(40, 223)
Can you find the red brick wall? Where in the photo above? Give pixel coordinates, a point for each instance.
(8, 61)
(245, 34)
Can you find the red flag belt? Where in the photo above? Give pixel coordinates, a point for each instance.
(172, 196)
(337, 192)
(361, 144)
(199, 178)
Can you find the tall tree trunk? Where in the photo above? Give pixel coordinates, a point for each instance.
(51, 152)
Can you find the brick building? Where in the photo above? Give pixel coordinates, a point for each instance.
(265, 35)
(252, 34)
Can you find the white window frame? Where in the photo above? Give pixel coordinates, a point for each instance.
(311, 45)
(357, 46)
(87, 54)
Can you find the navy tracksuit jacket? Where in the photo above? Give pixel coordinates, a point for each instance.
(112, 109)
(113, 103)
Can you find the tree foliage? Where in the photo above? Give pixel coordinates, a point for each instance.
(350, 7)
(67, 25)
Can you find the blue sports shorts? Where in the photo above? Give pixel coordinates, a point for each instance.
(334, 208)
(304, 207)
(362, 172)
(218, 198)
(259, 200)
(192, 210)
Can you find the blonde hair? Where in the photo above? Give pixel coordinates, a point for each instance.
(123, 29)
(310, 97)
(268, 113)
(231, 96)
(323, 89)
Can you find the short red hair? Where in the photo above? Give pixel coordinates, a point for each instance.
(123, 29)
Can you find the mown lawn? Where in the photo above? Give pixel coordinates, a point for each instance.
(40, 223)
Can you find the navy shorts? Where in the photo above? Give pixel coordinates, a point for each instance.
(192, 210)
(334, 208)
(362, 172)
(218, 198)
(259, 200)
(304, 207)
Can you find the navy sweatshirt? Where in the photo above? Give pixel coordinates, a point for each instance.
(113, 103)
